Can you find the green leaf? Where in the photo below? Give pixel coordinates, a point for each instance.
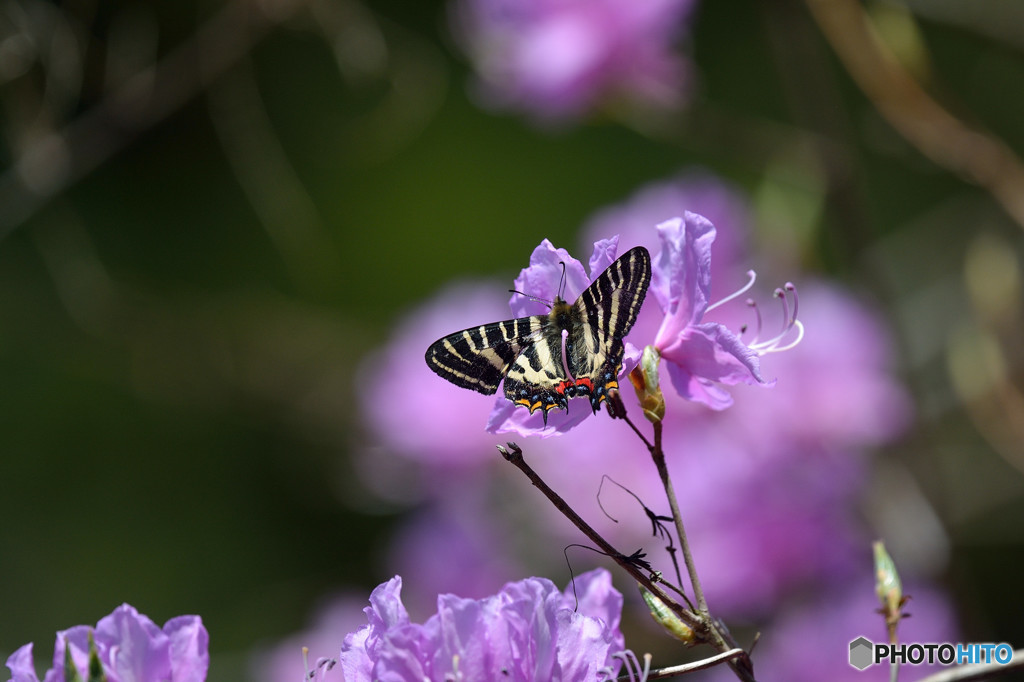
(95, 667)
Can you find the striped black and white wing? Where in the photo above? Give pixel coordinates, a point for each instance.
(478, 358)
(527, 352)
(537, 379)
(602, 316)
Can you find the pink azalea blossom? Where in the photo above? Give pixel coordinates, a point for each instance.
(528, 631)
(699, 355)
(130, 647)
(559, 59)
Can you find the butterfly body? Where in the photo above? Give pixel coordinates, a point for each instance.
(574, 350)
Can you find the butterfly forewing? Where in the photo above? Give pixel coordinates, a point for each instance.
(527, 352)
(603, 315)
(479, 357)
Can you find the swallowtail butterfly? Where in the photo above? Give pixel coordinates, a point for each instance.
(527, 352)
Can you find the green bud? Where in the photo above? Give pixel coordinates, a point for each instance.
(666, 617)
(889, 589)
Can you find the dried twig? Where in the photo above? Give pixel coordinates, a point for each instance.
(977, 156)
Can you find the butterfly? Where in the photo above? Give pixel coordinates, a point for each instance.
(527, 352)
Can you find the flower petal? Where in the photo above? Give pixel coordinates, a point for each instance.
(133, 646)
(361, 648)
(405, 655)
(707, 353)
(189, 648)
(77, 640)
(587, 635)
(542, 280)
(681, 272)
(507, 418)
(605, 251)
(597, 597)
(527, 631)
(473, 639)
(21, 665)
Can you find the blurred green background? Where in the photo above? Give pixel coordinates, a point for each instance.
(194, 258)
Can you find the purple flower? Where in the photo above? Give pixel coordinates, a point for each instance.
(700, 355)
(542, 280)
(527, 631)
(130, 647)
(559, 59)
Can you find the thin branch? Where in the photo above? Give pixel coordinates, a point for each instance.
(971, 153)
(514, 454)
(658, 455)
(703, 627)
(638, 432)
(719, 640)
(663, 673)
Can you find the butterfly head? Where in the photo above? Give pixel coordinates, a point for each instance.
(561, 315)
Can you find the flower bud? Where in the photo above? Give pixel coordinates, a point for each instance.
(666, 617)
(644, 378)
(889, 589)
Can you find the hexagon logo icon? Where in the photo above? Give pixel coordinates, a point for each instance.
(861, 653)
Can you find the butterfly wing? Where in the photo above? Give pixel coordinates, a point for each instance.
(478, 358)
(527, 352)
(537, 378)
(602, 316)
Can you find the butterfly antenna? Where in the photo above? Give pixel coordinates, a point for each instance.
(561, 282)
(532, 298)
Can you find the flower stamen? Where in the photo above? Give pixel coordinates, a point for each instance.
(631, 663)
(789, 323)
(752, 304)
(319, 671)
(455, 675)
(736, 294)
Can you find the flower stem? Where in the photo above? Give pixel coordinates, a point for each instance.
(722, 641)
(658, 455)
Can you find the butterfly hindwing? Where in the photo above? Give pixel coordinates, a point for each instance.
(537, 378)
(527, 352)
(603, 315)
